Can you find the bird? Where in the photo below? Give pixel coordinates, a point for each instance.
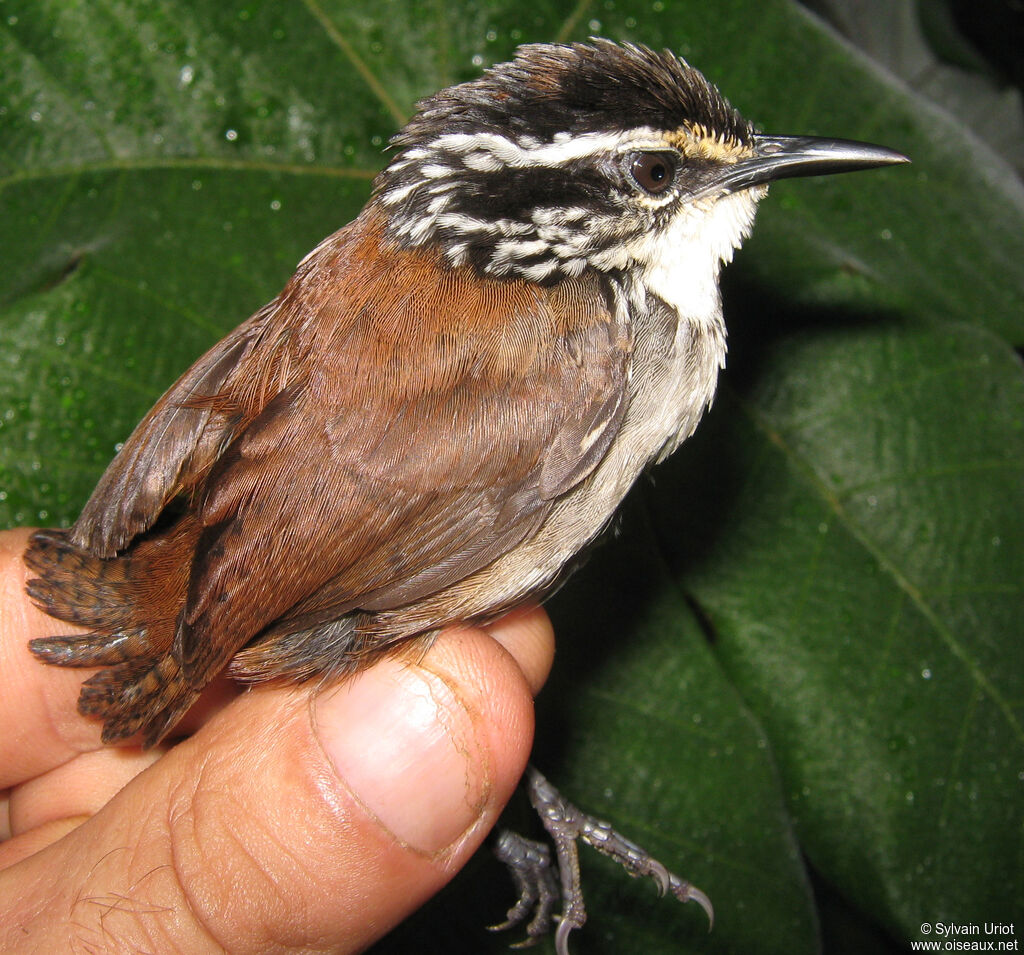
(441, 410)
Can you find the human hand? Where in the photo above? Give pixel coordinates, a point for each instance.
(292, 818)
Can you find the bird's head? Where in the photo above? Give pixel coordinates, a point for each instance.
(593, 155)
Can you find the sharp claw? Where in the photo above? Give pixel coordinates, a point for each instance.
(562, 936)
(690, 893)
(513, 917)
(662, 876)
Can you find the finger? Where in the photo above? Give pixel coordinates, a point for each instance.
(294, 818)
(527, 634)
(77, 788)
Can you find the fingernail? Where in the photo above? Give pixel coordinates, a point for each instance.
(405, 746)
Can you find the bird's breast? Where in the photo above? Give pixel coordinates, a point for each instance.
(673, 373)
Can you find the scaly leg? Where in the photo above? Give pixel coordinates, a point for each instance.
(531, 866)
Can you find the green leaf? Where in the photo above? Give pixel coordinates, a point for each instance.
(796, 674)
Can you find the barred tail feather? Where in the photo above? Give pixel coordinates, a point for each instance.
(142, 689)
(139, 697)
(75, 586)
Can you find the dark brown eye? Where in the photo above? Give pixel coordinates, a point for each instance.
(653, 172)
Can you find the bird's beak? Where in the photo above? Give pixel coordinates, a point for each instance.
(780, 157)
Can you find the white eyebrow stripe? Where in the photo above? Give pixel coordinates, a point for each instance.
(565, 149)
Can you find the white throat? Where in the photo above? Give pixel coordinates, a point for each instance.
(681, 264)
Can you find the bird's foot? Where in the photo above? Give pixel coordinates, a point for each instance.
(535, 874)
(529, 864)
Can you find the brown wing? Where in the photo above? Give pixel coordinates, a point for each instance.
(183, 435)
(436, 419)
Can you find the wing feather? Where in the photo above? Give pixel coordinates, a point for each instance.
(431, 420)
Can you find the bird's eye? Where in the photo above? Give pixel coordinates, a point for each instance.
(653, 172)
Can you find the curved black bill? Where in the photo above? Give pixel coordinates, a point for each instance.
(780, 157)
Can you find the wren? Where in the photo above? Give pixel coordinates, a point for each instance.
(444, 405)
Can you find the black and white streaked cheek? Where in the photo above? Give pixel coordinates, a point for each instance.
(515, 207)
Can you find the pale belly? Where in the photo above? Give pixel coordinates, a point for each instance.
(674, 371)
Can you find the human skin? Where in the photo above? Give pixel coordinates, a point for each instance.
(288, 818)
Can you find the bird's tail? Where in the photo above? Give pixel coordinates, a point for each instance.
(142, 688)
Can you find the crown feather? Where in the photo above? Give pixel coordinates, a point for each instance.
(548, 89)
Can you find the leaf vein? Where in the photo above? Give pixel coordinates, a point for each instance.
(216, 163)
(889, 566)
(397, 113)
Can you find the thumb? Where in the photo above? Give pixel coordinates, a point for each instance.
(297, 818)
